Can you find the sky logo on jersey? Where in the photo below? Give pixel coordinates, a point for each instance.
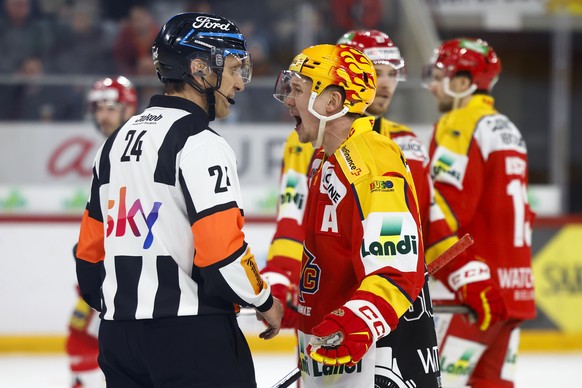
(125, 217)
(390, 241)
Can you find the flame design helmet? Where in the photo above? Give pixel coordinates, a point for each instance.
(339, 65)
(378, 46)
(112, 91)
(474, 56)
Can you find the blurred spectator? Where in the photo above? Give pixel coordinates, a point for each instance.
(35, 101)
(258, 47)
(118, 10)
(133, 45)
(356, 14)
(197, 6)
(85, 47)
(22, 36)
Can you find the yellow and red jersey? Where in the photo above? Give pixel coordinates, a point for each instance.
(287, 245)
(362, 230)
(479, 166)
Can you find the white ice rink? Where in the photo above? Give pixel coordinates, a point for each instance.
(563, 370)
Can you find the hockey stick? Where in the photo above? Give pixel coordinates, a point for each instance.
(448, 306)
(437, 308)
(437, 264)
(451, 309)
(289, 379)
(453, 251)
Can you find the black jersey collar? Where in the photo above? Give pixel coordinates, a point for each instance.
(164, 101)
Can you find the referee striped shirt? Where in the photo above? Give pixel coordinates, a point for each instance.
(161, 235)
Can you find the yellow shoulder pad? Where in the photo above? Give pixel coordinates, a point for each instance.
(351, 161)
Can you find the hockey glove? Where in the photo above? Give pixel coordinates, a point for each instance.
(344, 337)
(473, 287)
(286, 291)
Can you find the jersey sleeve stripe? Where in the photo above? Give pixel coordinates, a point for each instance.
(217, 236)
(387, 290)
(194, 218)
(450, 216)
(287, 248)
(90, 247)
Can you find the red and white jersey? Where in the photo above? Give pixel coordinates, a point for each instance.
(162, 232)
(480, 168)
(362, 230)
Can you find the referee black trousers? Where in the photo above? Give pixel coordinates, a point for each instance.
(206, 351)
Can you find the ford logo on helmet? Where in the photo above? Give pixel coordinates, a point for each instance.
(210, 23)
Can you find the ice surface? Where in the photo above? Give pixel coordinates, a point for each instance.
(534, 370)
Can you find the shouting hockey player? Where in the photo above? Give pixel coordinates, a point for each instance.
(363, 257)
(285, 253)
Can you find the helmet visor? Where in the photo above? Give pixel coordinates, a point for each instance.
(430, 74)
(245, 67)
(284, 85)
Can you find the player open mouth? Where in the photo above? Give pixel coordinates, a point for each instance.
(298, 120)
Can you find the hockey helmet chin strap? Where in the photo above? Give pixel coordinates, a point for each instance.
(209, 91)
(457, 96)
(322, 119)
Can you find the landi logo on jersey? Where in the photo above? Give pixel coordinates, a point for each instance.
(291, 193)
(391, 241)
(462, 366)
(449, 167)
(125, 217)
(444, 164)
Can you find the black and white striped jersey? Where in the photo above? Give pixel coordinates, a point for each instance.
(162, 232)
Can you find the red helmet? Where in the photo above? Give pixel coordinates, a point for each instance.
(377, 46)
(117, 90)
(474, 56)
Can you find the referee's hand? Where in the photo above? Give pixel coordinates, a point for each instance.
(272, 319)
